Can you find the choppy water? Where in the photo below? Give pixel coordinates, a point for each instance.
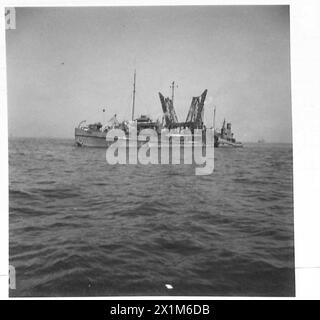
(79, 226)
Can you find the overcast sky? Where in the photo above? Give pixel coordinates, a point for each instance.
(65, 65)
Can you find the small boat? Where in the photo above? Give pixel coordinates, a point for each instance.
(226, 137)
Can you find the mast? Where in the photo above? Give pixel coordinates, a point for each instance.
(134, 94)
(214, 117)
(172, 87)
(104, 116)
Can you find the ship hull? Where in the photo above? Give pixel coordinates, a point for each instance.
(223, 143)
(88, 138)
(97, 139)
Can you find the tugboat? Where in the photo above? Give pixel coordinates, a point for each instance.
(226, 137)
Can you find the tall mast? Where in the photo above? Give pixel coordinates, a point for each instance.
(104, 116)
(134, 94)
(172, 87)
(214, 117)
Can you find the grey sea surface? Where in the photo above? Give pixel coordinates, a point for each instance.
(79, 226)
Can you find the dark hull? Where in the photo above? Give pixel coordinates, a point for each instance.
(223, 143)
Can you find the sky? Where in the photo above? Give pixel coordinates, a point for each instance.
(65, 65)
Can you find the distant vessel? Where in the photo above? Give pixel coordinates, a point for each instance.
(261, 141)
(94, 135)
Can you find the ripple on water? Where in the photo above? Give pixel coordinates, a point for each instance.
(81, 227)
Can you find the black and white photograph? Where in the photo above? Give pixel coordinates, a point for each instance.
(150, 151)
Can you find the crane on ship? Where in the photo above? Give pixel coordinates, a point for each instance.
(195, 115)
(169, 114)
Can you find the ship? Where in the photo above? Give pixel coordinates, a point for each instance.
(226, 137)
(95, 135)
